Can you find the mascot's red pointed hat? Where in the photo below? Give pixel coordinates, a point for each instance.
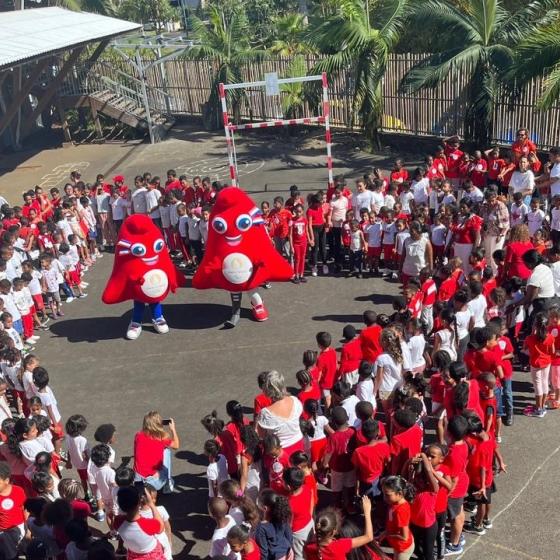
(142, 270)
(239, 255)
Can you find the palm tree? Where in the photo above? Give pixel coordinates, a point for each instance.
(479, 41)
(225, 42)
(536, 56)
(293, 95)
(359, 38)
(289, 30)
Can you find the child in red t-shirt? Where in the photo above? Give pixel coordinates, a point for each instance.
(12, 514)
(436, 454)
(448, 285)
(480, 472)
(398, 494)
(337, 458)
(441, 361)
(487, 382)
(275, 460)
(350, 356)
(302, 461)
(541, 348)
(456, 461)
(477, 260)
(326, 545)
(370, 460)
(261, 400)
(300, 498)
(407, 443)
(240, 542)
(554, 329)
(327, 364)
(370, 337)
(505, 350)
(301, 235)
(279, 219)
(309, 388)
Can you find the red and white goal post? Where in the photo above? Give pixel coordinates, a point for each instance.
(272, 84)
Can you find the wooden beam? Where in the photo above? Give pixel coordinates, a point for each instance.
(63, 121)
(95, 117)
(97, 52)
(20, 95)
(51, 89)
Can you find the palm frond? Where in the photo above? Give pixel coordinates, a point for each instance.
(484, 14)
(442, 16)
(434, 69)
(524, 22)
(392, 15)
(551, 92)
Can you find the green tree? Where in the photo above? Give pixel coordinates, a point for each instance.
(359, 38)
(539, 55)
(479, 41)
(225, 41)
(158, 12)
(293, 95)
(289, 30)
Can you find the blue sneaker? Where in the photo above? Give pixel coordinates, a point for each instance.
(454, 550)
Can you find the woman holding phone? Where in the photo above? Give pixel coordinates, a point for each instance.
(152, 451)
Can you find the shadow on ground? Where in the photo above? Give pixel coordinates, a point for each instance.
(187, 316)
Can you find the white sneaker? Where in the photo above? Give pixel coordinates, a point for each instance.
(84, 284)
(314, 272)
(30, 341)
(69, 300)
(394, 276)
(82, 296)
(134, 331)
(161, 326)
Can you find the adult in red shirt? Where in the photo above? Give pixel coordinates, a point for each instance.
(12, 514)
(522, 147)
(152, 451)
(519, 243)
(370, 337)
(454, 156)
(466, 233)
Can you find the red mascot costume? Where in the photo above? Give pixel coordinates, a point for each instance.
(142, 272)
(239, 255)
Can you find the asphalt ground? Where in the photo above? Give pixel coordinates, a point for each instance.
(198, 366)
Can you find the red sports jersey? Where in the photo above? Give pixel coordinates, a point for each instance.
(326, 362)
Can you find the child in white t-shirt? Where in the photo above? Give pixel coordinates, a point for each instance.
(8, 323)
(45, 393)
(71, 273)
(535, 217)
(518, 210)
(51, 280)
(217, 470)
(24, 303)
(218, 510)
(364, 388)
(78, 449)
(104, 477)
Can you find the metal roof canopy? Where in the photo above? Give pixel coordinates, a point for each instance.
(38, 32)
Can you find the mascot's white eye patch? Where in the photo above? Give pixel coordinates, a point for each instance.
(159, 245)
(138, 250)
(244, 222)
(219, 225)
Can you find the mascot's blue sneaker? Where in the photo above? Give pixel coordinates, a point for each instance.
(161, 325)
(134, 331)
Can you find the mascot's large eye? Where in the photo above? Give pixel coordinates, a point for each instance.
(219, 225)
(138, 250)
(243, 222)
(158, 245)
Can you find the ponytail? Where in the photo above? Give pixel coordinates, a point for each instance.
(399, 485)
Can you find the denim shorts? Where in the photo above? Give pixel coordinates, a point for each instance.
(499, 401)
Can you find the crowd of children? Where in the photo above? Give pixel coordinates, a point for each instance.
(404, 425)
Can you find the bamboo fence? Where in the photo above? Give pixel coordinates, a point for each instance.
(436, 112)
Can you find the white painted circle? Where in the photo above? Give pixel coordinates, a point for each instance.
(237, 268)
(155, 283)
(7, 504)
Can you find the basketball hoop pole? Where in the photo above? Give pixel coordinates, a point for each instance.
(323, 119)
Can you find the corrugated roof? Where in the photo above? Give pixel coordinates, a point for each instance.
(26, 34)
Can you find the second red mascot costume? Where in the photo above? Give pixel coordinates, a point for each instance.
(239, 256)
(143, 272)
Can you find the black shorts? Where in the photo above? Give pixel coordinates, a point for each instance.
(481, 499)
(454, 507)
